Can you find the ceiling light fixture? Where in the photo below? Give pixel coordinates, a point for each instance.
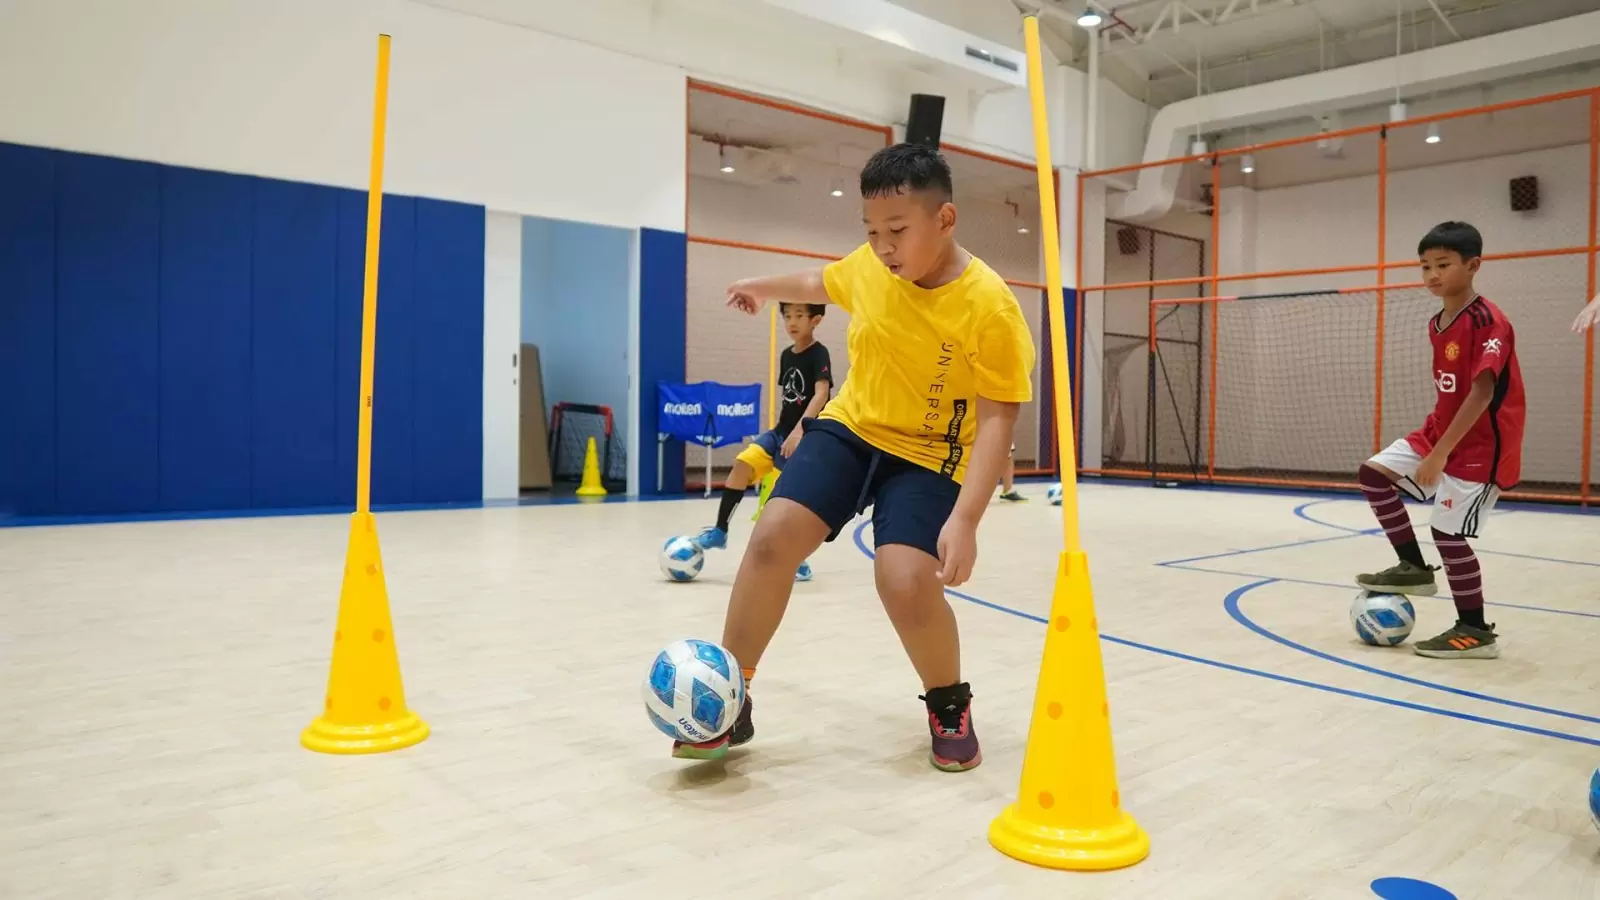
(1247, 164)
(722, 155)
(1089, 18)
(1433, 134)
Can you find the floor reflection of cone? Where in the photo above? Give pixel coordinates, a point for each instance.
(591, 486)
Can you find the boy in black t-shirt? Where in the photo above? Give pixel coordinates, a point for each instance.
(805, 377)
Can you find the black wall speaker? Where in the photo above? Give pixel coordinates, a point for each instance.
(925, 120)
(1525, 193)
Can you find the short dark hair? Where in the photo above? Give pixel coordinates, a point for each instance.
(1457, 236)
(907, 167)
(815, 309)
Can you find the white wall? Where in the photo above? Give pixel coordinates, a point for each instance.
(479, 112)
(502, 329)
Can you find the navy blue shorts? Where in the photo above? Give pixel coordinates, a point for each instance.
(837, 475)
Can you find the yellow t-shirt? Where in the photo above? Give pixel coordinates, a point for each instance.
(920, 358)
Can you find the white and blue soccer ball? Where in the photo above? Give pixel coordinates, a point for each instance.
(681, 559)
(1594, 798)
(1382, 620)
(1053, 494)
(693, 691)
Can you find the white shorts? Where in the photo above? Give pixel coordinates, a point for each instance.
(1459, 507)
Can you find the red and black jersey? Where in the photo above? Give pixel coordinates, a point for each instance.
(1478, 339)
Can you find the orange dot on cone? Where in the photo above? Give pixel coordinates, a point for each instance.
(1063, 623)
(377, 635)
(1053, 710)
(383, 703)
(1046, 799)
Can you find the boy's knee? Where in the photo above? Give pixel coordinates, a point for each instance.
(783, 535)
(907, 591)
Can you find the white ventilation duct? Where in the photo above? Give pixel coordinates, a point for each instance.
(974, 62)
(1510, 54)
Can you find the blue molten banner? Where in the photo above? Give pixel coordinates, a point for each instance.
(709, 413)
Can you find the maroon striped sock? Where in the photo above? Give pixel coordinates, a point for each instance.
(1466, 579)
(1391, 513)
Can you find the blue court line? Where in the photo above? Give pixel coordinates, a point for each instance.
(1272, 676)
(1346, 586)
(1231, 604)
(1301, 512)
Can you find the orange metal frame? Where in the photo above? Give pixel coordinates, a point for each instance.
(888, 138)
(1380, 267)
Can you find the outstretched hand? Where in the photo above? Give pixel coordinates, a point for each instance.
(740, 298)
(1589, 316)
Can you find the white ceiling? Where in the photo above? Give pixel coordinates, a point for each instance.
(1155, 49)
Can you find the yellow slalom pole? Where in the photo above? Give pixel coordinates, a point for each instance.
(365, 708)
(1068, 813)
(772, 367)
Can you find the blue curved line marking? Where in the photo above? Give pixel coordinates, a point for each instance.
(1231, 604)
(1350, 585)
(1301, 512)
(1243, 670)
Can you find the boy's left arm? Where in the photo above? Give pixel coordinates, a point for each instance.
(1003, 366)
(1476, 404)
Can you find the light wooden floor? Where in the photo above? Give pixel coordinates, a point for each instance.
(154, 678)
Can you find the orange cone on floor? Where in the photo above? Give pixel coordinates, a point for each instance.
(365, 709)
(591, 486)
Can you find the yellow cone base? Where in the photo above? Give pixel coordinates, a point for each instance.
(326, 737)
(1083, 849)
(1068, 813)
(591, 486)
(365, 707)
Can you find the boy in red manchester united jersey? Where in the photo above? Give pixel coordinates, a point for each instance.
(1467, 451)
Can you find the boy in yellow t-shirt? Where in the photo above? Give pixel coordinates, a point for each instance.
(940, 362)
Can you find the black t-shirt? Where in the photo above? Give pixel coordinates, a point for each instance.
(798, 374)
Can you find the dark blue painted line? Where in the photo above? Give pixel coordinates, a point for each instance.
(1251, 550)
(1301, 512)
(1272, 676)
(1231, 604)
(1347, 586)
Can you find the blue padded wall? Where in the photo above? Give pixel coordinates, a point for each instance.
(205, 349)
(448, 365)
(293, 329)
(27, 330)
(108, 336)
(663, 335)
(174, 339)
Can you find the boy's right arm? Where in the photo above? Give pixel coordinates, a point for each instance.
(750, 294)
